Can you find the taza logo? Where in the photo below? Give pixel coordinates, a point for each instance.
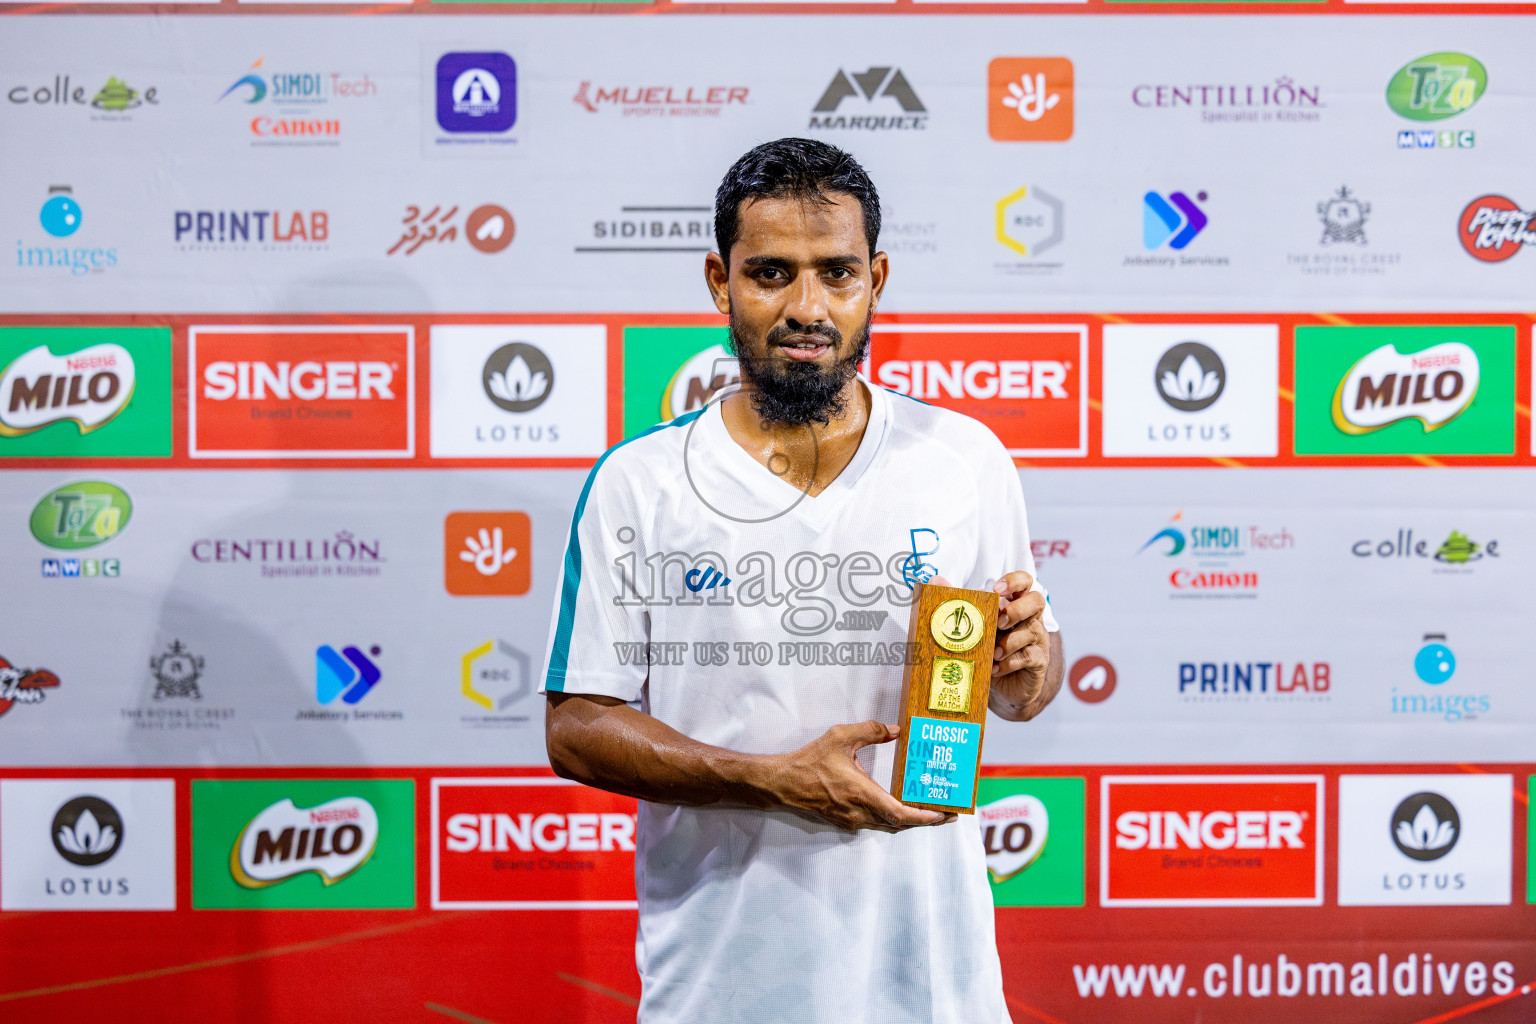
(1434, 386)
(1014, 833)
(1436, 86)
(332, 840)
(1493, 228)
(1425, 826)
(1190, 376)
(87, 831)
(88, 387)
(518, 377)
(81, 515)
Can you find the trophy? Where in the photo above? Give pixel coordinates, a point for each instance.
(944, 694)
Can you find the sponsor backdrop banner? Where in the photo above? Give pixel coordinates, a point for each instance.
(315, 322)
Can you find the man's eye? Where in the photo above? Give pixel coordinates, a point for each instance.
(768, 274)
(840, 273)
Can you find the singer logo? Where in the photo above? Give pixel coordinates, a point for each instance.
(530, 843)
(1024, 382)
(302, 392)
(707, 578)
(1211, 840)
(487, 553)
(1434, 386)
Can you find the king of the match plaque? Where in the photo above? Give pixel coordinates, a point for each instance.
(944, 694)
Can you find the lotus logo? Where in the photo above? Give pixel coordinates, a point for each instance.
(1433, 386)
(87, 831)
(1190, 376)
(88, 387)
(332, 840)
(518, 377)
(1425, 826)
(1014, 831)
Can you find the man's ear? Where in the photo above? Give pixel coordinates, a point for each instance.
(717, 277)
(879, 272)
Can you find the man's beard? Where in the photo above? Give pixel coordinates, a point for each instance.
(796, 393)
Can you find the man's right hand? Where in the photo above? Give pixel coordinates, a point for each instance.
(824, 782)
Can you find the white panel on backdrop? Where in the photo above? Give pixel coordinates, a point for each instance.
(87, 844)
(1425, 840)
(1177, 390)
(519, 390)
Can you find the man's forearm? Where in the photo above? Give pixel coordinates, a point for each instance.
(604, 743)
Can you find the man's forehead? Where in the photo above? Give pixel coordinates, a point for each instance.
(836, 222)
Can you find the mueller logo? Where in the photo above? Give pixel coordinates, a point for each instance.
(706, 579)
(1385, 386)
(1493, 228)
(530, 843)
(303, 392)
(882, 83)
(1013, 833)
(1023, 383)
(660, 100)
(88, 387)
(23, 685)
(1238, 679)
(1211, 840)
(207, 230)
(283, 841)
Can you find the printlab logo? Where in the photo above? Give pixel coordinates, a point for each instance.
(1030, 222)
(1175, 220)
(23, 685)
(1029, 99)
(1493, 228)
(487, 553)
(1190, 376)
(1092, 679)
(176, 671)
(1239, 681)
(488, 228)
(349, 674)
(495, 675)
(660, 100)
(885, 84)
(251, 230)
(61, 216)
(1435, 87)
(113, 99)
(518, 377)
(476, 93)
(87, 831)
(1425, 826)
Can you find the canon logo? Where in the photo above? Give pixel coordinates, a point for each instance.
(492, 833)
(1214, 830)
(307, 381)
(1009, 378)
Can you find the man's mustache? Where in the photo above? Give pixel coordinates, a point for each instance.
(782, 332)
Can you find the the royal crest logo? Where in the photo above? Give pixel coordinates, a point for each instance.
(283, 841)
(176, 672)
(89, 387)
(1434, 386)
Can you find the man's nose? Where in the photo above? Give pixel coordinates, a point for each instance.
(807, 301)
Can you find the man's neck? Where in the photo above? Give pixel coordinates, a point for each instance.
(808, 457)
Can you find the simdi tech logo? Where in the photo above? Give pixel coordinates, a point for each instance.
(530, 844)
(333, 843)
(1447, 389)
(293, 106)
(88, 844)
(1435, 87)
(1025, 382)
(85, 391)
(1033, 834)
(1029, 99)
(276, 391)
(1426, 840)
(1211, 840)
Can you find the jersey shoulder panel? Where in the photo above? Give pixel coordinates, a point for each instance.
(971, 441)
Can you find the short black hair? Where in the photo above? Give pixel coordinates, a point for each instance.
(792, 169)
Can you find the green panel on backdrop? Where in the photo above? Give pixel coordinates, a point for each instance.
(1028, 869)
(139, 420)
(1325, 356)
(1530, 843)
(222, 809)
(652, 358)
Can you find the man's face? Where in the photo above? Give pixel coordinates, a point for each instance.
(800, 292)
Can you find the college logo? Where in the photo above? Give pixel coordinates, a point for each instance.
(487, 553)
(1457, 551)
(273, 391)
(176, 671)
(1029, 99)
(1436, 86)
(879, 83)
(1032, 831)
(113, 98)
(336, 843)
(80, 515)
(488, 228)
(1024, 382)
(1211, 840)
(1030, 222)
(1390, 390)
(1493, 228)
(1092, 679)
(1175, 220)
(23, 685)
(511, 391)
(349, 674)
(476, 93)
(1425, 840)
(524, 844)
(88, 844)
(660, 100)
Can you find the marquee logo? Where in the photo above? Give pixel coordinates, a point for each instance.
(1436, 86)
(332, 840)
(81, 515)
(1211, 840)
(89, 388)
(1384, 386)
(876, 83)
(1493, 228)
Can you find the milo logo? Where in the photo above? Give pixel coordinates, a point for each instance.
(283, 841)
(1434, 386)
(1436, 86)
(89, 387)
(81, 515)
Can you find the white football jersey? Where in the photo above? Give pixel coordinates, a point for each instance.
(720, 599)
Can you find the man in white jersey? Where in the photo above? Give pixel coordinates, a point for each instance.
(729, 634)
